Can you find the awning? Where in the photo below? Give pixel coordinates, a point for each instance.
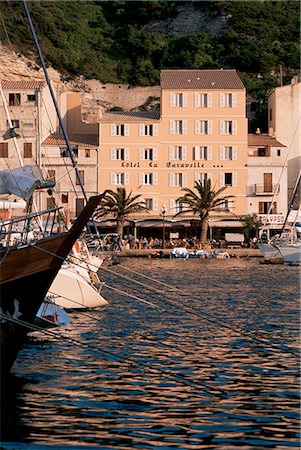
(226, 224)
(160, 224)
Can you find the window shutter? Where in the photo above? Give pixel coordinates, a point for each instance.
(222, 127)
(184, 127)
(172, 206)
(171, 180)
(234, 179)
(221, 153)
(113, 129)
(222, 100)
(209, 176)
(197, 127)
(155, 130)
(155, 179)
(141, 178)
(197, 100)
(209, 126)
(141, 129)
(234, 127)
(234, 153)
(126, 130)
(184, 100)
(197, 177)
(234, 100)
(141, 153)
(209, 100)
(155, 154)
(113, 178)
(126, 178)
(172, 127)
(197, 153)
(184, 179)
(126, 154)
(172, 100)
(184, 153)
(171, 152)
(113, 154)
(222, 179)
(209, 153)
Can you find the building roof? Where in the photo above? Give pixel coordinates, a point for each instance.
(201, 79)
(126, 117)
(255, 140)
(82, 140)
(22, 85)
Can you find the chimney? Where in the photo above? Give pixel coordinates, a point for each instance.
(258, 131)
(271, 132)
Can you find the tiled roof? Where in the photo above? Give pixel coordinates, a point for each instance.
(82, 140)
(125, 117)
(201, 79)
(254, 140)
(22, 85)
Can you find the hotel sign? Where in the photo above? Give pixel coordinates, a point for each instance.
(194, 165)
(272, 219)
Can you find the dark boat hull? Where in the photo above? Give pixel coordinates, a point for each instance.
(26, 273)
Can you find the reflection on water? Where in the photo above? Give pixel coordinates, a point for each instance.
(215, 363)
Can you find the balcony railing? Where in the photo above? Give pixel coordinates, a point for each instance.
(266, 189)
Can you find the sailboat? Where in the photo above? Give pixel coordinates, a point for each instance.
(29, 261)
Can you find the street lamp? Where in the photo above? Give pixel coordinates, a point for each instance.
(163, 212)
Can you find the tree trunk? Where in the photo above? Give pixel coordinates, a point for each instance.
(120, 226)
(204, 230)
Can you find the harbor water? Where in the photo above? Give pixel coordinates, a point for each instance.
(203, 355)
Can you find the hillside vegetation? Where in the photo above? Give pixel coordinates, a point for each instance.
(108, 40)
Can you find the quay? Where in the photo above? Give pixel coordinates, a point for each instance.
(233, 252)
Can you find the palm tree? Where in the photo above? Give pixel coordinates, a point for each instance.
(120, 205)
(200, 202)
(252, 224)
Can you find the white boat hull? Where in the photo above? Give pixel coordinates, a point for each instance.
(291, 253)
(269, 251)
(71, 290)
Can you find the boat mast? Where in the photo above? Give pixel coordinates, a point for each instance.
(69, 147)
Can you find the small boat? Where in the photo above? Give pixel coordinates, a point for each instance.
(179, 252)
(29, 265)
(51, 315)
(291, 252)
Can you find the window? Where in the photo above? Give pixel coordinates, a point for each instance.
(228, 153)
(148, 130)
(228, 179)
(151, 204)
(50, 203)
(64, 198)
(176, 206)
(264, 208)
(148, 154)
(14, 99)
(82, 177)
(28, 125)
(278, 152)
(31, 98)
(203, 127)
(177, 153)
(202, 100)
(267, 182)
(65, 152)
(263, 151)
(146, 179)
(87, 153)
(51, 175)
(119, 130)
(178, 100)
(202, 177)
(120, 154)
(119, 179)
(178, 126)
(14, 123)
(202, 153)
(227, 100)
(3, 150)
(228, 127)
(177, 179)
(27, 149)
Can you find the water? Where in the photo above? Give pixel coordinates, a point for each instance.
(214, 364)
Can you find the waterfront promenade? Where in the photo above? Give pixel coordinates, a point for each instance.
(233, 252)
